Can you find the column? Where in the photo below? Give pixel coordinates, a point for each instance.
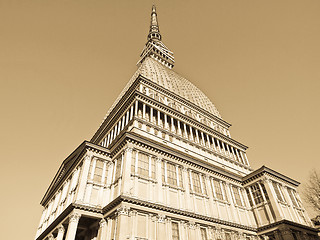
(103, 230)
(214, 144)
(191, 133)
(151, 114)
(84, 176)
(173, 128)
(72, 227)
(126, 180)
(179, 128)
(159, 118)
(131, 112)
(208, 141)
(233, 152)
(166, 121)
(159, 181)
(109, 226)
(61, 231)
(136, 108)
(143, 111)
(273, 199)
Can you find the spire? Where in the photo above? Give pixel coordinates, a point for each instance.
(154, 32)
(154, 47)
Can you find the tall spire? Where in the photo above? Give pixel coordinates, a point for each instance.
(154, 47)
(154, 32)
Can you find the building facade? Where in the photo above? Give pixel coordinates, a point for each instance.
(163, 166)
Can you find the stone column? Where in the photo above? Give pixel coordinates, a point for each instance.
(103, 228)
(126, 181)
(151, 114)
(84, 176)
(72, 227)
(144, 111)
(61, 231)
(273, 199)
(159, 181)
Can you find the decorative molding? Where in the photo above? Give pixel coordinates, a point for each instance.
(74, 217)
(123, 210)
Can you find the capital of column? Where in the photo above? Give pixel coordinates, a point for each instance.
(74, 217)
(128, 149)
(102, 223)
(124, 210)
(158, 159)
(161, 218)
(61, 229)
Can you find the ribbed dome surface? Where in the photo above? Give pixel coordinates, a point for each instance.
(167, 78)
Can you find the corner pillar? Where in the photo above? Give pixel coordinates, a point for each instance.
(73, 225)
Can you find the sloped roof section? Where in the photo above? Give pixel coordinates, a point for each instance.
(169, 79)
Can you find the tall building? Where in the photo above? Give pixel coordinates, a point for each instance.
(163, 166)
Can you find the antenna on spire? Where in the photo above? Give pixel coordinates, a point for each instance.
(154, 47)
(154, 32)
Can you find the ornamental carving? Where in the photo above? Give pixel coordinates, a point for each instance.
(161, 218)
(124, 210)
(102, 223)
(74, 217)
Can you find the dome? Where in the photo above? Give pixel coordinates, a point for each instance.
(167, 78)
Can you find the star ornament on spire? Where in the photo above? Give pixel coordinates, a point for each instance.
(154, 47)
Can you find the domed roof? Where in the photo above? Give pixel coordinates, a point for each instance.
(169, 79)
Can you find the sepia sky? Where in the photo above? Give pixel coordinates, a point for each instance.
(63, 63)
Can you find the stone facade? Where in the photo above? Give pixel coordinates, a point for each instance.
(163, 165)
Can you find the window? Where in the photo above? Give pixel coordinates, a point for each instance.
(293, 198)
(257, 195)
(218, 190)
(195, 183)
(175, 231)
(278, 191)
(171, 174)
(203, 234)
(118, 168)
(174, 174)
(97, 176)
(237, 197)
(146, 164)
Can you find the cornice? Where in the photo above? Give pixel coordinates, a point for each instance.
(286, 222)
(161, 207)
(265, 170)
(69, 164)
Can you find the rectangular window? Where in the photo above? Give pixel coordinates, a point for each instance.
(98, 171)
(277, 190)
(217, 188)
(256, 193)
(146, 164)
(292, 197)
(175, 231)
(143, 165)
(171, 174)
(237, 197)
(118, 168)
(196, 182)
(203, 234)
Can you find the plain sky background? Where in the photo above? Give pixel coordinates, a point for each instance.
(63, 63)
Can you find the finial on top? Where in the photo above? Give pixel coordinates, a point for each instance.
(154, 47)
(154, 32)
